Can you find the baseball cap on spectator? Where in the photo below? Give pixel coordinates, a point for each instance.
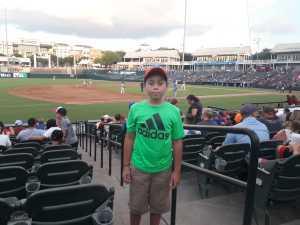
(155, 71)
(268, 109)
(19, 123)
(248, 110)
(61, 110)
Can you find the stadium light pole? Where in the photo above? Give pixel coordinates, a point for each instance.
(184, 34)
(249, 28)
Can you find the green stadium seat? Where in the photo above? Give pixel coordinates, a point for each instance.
(59, 155)
(28, 150)
(267, 149)
(24, 160)
(12, 182)
(73, 205)
(32, 144)
(56, 147)
(279, 186)
(6, 210)
(59, 174)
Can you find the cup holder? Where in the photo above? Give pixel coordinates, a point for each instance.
(103, 217)
(32, 186)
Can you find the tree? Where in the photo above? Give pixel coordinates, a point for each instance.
(187, 56)
(18, 55)
(110, 57)
(263, 55)
(97, 60)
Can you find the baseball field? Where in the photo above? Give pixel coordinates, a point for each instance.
(24, 98)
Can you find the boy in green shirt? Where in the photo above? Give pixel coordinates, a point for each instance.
(154, 137)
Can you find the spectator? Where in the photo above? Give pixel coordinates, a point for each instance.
(18, 126)
(30, 133)
(4, 140)
(195, 110)
(208, 118)
(118, 118)
(290, 134)
(51, 126)
(270, 119)
(249, 114)
(238, 118)
(67, 128)
(289, 100)
(6, 130)
(57, 137)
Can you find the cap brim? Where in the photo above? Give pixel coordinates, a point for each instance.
(155, 71)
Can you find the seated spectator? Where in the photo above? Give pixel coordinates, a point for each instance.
(104, 120)
(294, 100)
(249, 114)
(238, 118)
(118, 118)
(189, 121)
(57, 137)
(18, 126)
(270, 119)
(30, 133)
(208, 118)
(51, 126)
(4, 140)
(6, 130)
(291, 134)
(40, 125)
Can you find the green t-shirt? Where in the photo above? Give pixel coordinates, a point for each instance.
(155, 128)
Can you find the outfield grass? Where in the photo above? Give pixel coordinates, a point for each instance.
(13, 107)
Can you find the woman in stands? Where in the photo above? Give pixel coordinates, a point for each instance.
(194, 113)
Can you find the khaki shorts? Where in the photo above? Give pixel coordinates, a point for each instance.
(149, 191)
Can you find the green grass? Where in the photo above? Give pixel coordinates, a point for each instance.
(13, 107)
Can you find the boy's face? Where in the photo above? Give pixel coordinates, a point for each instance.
(156, 87)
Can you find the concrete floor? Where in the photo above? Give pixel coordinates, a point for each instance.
(222, 207)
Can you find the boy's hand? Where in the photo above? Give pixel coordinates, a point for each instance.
(126, 175)
(175, 179)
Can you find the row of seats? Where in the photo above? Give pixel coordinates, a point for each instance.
(281, 184)
(41, 184)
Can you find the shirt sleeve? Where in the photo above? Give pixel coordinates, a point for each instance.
(177, 129)
(230, 139)
(131, 123)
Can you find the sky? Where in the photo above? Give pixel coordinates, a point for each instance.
(126, 24)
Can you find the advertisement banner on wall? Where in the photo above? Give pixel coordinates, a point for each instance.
(13, 75)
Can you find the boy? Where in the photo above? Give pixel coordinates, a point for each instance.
(154, 132)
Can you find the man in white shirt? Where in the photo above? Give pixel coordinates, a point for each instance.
(4, 140)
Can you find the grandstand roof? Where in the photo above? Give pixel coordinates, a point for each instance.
(285, 48)
(153, 54)
(223, 51)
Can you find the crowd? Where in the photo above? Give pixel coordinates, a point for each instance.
(56, 131)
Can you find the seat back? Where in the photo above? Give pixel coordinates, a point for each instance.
(234, 155)
(28, 150)
(32, 144)
(191, 149)
(267, 149)
(216, 141)
(24, 160)
(58, 174)
(57, 147)
(59, 155)
(286, 182)
(68, 205)
(12, 182)
(3, 148)
(6, 211)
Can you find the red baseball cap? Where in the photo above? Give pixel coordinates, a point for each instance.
(155, 71)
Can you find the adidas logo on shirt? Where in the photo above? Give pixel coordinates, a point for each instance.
(154, 128)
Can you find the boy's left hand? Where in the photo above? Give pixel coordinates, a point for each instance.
(175, 179)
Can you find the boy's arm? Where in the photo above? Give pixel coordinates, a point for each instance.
(177, 154)
(128, 145)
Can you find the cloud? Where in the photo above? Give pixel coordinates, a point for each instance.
(34, 21)
(276, 27)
